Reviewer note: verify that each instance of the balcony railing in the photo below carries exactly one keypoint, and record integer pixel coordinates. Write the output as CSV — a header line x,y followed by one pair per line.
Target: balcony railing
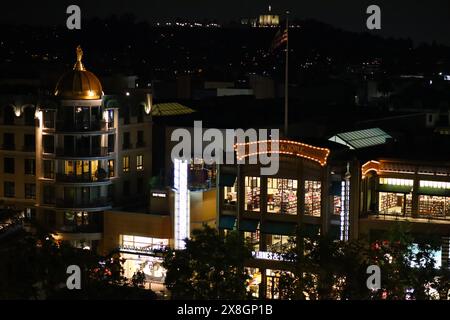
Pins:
x,y
397,215
84,152
87,228
29,148
82,126
7,146
82,178
80,203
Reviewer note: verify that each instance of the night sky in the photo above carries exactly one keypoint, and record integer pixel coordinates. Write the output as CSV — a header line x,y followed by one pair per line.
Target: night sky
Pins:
x,y
420,20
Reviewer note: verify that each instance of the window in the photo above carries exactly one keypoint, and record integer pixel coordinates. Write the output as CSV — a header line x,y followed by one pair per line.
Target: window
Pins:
x,y
140,116
111,168
126,141
29,142
30,191
28,114
49,119
30,166
278,243
273,284
111,139
136,242
397,182
126,164
8,116
281,196
49,195
140,162
395,203
8,141
252,239
126,188
8,165
49,172
252,193
9,189
140,185
140,139
230,197
79,218
312,198
434,206
48,143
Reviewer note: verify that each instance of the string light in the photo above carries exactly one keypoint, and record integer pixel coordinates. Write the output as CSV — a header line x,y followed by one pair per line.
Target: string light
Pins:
x,y
285,143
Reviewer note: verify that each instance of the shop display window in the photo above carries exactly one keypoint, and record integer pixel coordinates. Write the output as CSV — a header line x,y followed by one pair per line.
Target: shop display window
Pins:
x,y
337,204
273,284
230,197
254,281
434,206
144,243
282,196
395,203
202,176
313,198
252,194
253,239
277,243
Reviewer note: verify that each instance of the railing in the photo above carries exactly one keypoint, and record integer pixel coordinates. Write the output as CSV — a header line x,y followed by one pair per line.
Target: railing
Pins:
x,y
140,144
87,228
79,203
29,148
230,206
398,215
65,126
88,177
126,146
85,152
8,146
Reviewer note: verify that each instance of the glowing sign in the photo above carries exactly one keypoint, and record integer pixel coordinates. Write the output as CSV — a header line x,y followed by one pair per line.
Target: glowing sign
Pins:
x,y
182,214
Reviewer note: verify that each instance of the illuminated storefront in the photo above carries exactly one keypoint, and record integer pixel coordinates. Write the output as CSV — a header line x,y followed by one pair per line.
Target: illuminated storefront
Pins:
x,y
252,193
281,196
312,198
141,255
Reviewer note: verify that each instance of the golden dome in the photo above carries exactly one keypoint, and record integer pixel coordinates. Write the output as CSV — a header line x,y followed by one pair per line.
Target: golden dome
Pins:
x,y
79,84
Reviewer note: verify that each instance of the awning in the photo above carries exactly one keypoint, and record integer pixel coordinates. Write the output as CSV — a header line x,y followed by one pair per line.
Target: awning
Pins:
x,y
281,228
434,192
227,222
393,188
227,179
310,230
248,225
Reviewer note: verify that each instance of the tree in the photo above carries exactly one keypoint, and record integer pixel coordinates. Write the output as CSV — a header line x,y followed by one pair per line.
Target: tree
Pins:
x,y
210,267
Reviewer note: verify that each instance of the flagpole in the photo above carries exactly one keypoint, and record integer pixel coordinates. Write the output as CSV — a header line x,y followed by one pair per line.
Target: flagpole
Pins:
x,y
286,78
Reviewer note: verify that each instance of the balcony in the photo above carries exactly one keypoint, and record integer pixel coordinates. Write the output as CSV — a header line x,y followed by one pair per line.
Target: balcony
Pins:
x,y
81,203
140,144
83,126
99,176
83,152
383,215
8,146
29,148
86,228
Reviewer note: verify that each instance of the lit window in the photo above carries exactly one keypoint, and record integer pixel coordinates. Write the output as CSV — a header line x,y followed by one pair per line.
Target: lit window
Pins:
x,y
126,164
434,184
312,198
140,162
397,182
281,196
252,193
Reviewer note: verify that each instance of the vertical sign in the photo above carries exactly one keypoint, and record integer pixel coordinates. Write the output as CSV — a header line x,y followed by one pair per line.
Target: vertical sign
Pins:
x,y
182,214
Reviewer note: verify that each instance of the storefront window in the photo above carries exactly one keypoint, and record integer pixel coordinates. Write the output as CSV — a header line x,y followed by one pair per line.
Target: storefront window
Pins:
x,y
281,196
252,193
397,182
252,238
254,281
151,267
337,205
143,243
434,206
277,243
395,203
230,197
273,284
312,198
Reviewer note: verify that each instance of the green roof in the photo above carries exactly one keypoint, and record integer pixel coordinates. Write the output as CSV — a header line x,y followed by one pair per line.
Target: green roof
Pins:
x,y
170,109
